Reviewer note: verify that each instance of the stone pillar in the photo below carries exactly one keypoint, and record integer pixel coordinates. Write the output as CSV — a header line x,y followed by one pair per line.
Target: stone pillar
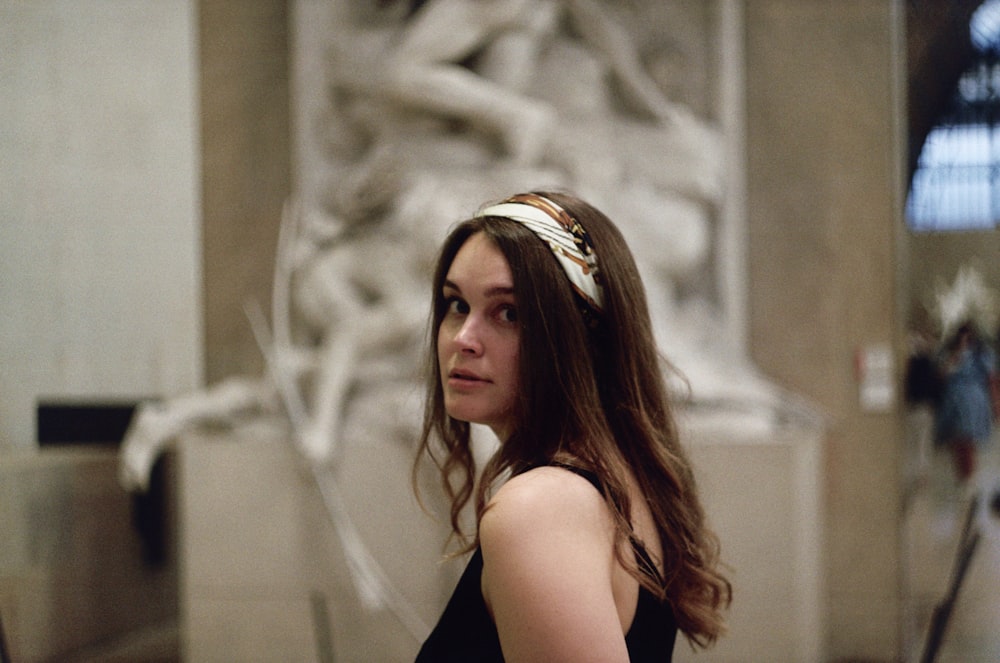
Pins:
x,y
246,170
823,164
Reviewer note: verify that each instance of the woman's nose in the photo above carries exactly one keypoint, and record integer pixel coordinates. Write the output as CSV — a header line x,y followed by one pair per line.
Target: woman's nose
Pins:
x,y
468,339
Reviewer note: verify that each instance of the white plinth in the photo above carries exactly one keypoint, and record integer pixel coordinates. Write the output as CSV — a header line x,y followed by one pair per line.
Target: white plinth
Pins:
x,y
259,551
257,546
761,484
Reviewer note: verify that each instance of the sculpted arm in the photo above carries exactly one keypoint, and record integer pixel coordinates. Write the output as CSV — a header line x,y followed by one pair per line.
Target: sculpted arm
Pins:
x,y
607,37
450,30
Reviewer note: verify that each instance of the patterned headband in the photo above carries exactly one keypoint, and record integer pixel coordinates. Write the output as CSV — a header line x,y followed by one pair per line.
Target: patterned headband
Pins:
x,y
566,238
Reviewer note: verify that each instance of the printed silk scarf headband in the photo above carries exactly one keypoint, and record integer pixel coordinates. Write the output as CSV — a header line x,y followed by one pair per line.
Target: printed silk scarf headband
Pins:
x,y
567,240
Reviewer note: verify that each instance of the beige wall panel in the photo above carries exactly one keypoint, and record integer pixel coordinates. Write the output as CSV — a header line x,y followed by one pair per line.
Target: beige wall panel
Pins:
x,y
99,207
246,169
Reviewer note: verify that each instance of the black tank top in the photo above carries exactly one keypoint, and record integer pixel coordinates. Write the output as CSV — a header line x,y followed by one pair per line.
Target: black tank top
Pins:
x,y
466,632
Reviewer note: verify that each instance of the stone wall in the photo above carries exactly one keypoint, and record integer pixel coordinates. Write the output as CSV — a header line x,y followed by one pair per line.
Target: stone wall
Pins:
x,y
99,220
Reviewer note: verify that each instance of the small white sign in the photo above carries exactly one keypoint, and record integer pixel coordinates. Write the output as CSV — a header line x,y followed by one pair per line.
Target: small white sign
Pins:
x,y
876,377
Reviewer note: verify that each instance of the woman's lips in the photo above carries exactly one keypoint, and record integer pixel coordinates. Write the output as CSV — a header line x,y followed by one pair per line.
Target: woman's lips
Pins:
x,y
465,378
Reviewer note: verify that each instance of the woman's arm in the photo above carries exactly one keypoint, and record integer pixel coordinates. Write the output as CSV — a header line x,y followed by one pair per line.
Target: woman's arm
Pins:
x,y
547,539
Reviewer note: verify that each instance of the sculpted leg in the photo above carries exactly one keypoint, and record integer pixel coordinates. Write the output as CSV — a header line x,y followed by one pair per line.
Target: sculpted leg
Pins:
x,y
156,426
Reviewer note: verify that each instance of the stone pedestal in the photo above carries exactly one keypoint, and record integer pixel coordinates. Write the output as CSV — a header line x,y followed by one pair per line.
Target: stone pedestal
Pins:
x,y
761,486
72,568
260,559
264,577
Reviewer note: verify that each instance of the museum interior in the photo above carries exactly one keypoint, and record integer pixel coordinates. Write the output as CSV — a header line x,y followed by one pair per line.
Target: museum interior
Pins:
x,y
217,229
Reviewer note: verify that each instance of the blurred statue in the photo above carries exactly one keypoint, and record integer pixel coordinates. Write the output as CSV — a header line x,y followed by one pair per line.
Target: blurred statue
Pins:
x,y
429,112
422,64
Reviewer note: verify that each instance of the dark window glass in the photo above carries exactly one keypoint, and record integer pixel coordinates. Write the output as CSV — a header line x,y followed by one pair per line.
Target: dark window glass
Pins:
x,y
955,186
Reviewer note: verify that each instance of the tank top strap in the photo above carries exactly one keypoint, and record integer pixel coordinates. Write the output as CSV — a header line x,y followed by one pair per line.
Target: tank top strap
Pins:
x,y
643,558
586,474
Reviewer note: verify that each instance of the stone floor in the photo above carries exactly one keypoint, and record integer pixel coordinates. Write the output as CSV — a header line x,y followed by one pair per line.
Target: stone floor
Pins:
x,y
935,517
155,644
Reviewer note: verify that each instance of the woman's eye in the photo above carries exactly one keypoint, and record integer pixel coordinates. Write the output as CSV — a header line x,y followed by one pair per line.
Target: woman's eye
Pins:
x,y
456,305
508,314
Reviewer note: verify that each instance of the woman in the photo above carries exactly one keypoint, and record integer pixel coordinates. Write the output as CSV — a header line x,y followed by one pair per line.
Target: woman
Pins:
x,y
594,548
970,399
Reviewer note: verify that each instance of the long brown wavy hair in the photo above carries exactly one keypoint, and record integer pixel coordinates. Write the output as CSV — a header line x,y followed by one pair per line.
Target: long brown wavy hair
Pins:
x,y
594,397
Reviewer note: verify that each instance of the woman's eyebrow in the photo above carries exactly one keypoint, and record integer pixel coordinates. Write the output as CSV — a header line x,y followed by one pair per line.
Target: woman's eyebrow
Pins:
x,y
499,290
493,291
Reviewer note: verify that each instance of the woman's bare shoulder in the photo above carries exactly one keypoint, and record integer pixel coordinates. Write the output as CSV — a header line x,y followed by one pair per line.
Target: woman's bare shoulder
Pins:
x,y
545,499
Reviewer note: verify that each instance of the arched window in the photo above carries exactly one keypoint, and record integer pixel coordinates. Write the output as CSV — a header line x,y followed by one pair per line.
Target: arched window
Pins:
x,y
956,185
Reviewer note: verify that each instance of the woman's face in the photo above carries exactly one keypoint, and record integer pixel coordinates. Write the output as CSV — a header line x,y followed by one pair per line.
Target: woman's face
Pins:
x,y
478,339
